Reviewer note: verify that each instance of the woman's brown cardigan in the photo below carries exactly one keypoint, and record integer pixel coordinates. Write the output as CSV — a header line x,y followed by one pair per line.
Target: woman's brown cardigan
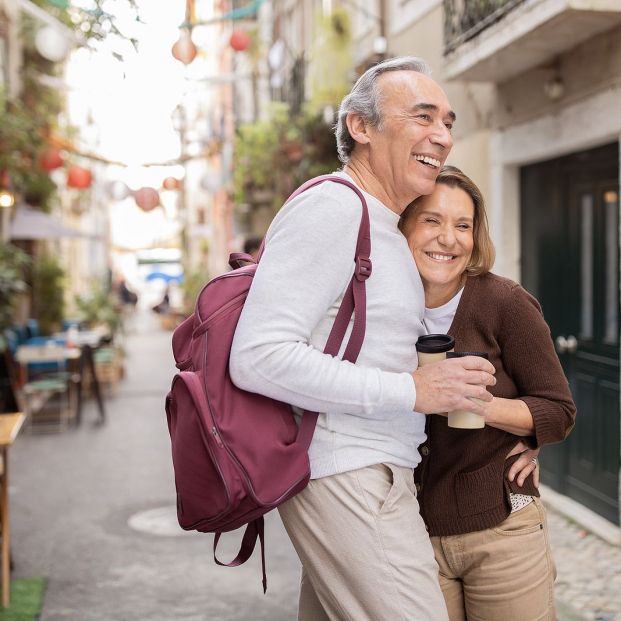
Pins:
x,y
462,477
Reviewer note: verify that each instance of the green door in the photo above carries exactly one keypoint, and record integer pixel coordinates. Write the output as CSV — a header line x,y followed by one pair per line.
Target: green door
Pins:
x,y
570,262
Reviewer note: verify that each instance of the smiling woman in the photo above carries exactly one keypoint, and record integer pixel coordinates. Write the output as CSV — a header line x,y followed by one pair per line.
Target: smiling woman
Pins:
x,y
467,485
448,236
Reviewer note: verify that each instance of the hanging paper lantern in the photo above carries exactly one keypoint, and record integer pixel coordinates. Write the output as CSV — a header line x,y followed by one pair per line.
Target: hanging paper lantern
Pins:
x,y
118,190
240,40
212,181
51,158
184,49
170,183
78,177
147,198
51,44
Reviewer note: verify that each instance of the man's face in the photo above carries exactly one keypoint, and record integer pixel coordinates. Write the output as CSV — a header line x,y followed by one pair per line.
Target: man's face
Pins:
x,y
414,139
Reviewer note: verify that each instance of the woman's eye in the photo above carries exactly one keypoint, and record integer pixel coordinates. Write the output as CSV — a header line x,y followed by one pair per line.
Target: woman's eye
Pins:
x,y
431,221
464,227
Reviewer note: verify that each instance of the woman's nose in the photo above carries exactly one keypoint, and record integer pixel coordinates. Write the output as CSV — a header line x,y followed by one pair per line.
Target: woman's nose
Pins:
x,y
446,236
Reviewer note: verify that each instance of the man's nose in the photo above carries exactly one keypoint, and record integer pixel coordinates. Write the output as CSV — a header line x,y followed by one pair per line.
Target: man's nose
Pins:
x,y
442,136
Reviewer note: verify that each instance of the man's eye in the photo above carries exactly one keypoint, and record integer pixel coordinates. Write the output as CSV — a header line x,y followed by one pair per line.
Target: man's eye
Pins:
x,y
424,117
449,126
431,221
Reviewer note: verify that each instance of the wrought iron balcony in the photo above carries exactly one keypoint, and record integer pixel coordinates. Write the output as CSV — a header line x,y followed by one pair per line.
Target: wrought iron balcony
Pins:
x,y
464,19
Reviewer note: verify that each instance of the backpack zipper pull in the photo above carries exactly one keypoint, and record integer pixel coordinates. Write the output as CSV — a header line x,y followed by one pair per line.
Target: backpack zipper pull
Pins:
x,y
214,431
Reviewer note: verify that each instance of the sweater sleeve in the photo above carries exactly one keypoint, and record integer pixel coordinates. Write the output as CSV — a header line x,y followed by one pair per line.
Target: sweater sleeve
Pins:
x,y
530,359
307,264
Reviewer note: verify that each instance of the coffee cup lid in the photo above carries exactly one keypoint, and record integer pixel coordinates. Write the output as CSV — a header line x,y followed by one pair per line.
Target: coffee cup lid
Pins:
x,y
434,343
463,354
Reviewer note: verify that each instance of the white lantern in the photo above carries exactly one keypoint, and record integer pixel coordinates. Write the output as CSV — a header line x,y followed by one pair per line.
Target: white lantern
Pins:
x,y
52,44
212,181
118,190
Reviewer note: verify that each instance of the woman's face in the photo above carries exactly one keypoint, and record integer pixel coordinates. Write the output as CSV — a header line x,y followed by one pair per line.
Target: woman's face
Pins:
x,y
440,236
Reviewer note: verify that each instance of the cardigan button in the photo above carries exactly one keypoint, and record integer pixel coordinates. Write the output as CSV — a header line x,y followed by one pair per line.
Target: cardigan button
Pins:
x,y
424,450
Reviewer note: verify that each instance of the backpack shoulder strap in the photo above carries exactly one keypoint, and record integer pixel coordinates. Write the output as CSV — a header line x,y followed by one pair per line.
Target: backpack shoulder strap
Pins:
x,y
354,300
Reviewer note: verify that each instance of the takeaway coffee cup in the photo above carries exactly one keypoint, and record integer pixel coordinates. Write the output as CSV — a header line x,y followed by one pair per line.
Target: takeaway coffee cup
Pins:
x,y
433,348
462,419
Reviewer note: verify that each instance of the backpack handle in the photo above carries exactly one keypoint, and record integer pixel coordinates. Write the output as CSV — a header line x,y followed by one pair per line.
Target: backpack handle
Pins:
x,y
237,259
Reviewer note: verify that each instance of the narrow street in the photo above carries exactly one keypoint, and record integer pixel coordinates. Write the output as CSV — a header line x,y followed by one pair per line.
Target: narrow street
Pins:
x,y
73,494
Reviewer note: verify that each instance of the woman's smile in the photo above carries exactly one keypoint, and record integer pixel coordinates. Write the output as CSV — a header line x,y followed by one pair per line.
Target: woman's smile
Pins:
x,y
440,236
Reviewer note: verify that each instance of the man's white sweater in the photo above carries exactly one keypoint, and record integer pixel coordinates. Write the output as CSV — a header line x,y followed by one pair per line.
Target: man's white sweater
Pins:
x,y
366,408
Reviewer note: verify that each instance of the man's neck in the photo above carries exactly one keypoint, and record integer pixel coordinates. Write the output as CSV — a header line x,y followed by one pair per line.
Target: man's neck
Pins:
x,y
361,173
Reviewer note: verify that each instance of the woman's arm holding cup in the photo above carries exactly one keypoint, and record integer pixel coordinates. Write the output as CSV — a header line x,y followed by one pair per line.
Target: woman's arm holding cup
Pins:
x,y
510,415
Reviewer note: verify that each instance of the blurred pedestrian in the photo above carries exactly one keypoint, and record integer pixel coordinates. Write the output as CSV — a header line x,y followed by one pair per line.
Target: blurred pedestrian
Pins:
x,y
163,306
252,245
356,527
488,526
126,296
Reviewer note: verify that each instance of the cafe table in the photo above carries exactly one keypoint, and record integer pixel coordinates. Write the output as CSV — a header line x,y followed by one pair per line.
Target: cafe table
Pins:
x,y
10,424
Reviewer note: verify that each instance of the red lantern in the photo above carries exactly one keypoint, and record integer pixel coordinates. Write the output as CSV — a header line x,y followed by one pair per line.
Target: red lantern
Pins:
x,y
147,198
170,183
240,40
51,159
78,177
184,49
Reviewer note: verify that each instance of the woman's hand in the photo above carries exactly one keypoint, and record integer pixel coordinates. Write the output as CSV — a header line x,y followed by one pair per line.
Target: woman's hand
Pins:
x,y
524,465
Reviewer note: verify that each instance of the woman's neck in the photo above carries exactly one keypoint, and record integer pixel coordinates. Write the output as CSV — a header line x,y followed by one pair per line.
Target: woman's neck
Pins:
x,y
438,295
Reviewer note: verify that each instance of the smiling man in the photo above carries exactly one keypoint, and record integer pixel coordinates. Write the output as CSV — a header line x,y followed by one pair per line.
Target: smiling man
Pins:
x,y
356,527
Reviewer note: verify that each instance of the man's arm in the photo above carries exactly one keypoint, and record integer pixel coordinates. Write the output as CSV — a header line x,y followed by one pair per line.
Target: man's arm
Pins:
x,y
306,266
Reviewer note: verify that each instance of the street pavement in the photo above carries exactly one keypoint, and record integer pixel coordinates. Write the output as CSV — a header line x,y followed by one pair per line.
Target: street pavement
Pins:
x,y
92,509
73,494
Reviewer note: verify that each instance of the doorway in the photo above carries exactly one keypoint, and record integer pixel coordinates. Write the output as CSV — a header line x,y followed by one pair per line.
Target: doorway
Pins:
x,y
570,262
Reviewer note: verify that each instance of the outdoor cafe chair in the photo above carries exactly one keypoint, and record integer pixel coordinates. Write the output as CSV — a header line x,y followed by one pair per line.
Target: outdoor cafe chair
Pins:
x,y
49,396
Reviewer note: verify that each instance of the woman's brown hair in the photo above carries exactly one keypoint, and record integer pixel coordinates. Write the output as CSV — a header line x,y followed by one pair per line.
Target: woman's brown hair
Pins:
x,y
483,252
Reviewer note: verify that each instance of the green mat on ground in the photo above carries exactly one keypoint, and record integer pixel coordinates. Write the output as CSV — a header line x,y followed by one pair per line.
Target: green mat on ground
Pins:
x,y
26,600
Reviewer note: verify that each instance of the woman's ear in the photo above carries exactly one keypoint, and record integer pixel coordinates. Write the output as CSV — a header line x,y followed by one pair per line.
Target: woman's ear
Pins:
x,y
357,127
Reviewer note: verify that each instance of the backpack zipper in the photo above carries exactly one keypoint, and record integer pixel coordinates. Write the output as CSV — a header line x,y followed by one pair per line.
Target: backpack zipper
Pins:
x,y
234,303
216,464
216,433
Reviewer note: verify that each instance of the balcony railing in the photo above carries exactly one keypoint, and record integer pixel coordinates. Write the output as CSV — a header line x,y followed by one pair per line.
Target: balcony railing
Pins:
x,y
465,19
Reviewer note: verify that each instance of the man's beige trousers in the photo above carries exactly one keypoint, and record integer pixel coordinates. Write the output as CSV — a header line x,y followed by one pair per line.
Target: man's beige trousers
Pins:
x,y
364,548
505,573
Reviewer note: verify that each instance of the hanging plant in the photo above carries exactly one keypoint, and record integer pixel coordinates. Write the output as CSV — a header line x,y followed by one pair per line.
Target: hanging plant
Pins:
x,y
272,157
332,60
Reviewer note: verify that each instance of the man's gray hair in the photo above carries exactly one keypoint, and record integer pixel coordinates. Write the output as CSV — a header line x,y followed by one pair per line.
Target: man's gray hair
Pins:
x,y
365,99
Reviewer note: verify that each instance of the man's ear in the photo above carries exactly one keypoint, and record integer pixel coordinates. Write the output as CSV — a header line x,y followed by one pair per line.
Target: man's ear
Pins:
x,y
357,127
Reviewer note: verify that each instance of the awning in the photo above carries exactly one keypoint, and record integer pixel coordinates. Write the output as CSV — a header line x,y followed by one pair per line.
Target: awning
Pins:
x,y
30,223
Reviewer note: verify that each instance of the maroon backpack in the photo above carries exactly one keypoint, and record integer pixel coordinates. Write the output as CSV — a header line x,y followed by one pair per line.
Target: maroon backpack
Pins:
x,y
236,454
